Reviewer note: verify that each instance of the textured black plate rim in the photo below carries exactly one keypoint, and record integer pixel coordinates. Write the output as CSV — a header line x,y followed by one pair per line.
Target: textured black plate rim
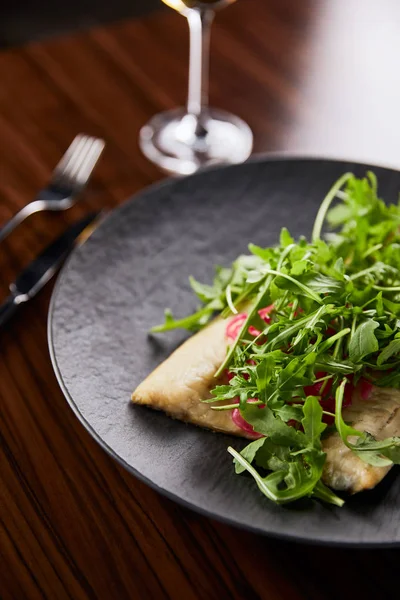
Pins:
x,y
265,157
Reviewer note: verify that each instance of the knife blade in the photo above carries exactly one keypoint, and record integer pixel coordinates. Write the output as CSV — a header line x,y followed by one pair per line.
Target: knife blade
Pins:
x,y
35,276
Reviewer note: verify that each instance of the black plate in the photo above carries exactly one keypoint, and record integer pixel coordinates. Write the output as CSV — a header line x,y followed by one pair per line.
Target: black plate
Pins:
x,y
116,286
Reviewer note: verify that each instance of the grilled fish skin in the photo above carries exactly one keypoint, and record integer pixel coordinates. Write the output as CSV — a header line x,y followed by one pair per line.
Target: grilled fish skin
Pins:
x,y
178,385
379,415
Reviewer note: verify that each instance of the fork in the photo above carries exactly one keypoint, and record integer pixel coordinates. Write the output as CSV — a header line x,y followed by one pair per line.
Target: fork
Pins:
x,y
69,178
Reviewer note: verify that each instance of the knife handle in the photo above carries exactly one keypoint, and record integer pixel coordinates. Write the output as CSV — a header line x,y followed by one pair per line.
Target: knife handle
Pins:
x,y
7,309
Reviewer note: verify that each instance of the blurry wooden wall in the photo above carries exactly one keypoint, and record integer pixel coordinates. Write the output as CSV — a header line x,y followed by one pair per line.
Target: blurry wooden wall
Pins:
x,y
22,21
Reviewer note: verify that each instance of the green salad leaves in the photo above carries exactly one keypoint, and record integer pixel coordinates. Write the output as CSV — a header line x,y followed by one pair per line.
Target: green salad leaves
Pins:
x,y
334,321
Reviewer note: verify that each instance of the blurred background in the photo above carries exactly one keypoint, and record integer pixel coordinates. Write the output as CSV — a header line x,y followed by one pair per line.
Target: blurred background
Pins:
x,y
335,59
314,76
25,20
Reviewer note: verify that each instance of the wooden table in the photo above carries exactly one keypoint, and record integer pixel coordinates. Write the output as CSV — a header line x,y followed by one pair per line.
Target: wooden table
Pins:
x,y
318,76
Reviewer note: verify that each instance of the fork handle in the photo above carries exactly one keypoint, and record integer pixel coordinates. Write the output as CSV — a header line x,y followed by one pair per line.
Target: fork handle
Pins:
x,y
29,209
50,198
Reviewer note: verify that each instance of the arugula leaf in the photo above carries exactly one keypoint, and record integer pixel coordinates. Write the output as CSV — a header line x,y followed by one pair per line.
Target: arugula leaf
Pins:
x,y
300,480
323,284
191,322
294,374
203,291
312,422
363,342
299,267
343,429
225,392
285,238
339,214
393,307
249,453
392,348
286,282
324,493
290,329
289,412
373,458
264,422
272,457
369,446
264,374
265,454
332,365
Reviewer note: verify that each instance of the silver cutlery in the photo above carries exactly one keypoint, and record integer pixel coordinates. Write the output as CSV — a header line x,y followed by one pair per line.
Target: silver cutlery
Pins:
x,y
68,180
33,277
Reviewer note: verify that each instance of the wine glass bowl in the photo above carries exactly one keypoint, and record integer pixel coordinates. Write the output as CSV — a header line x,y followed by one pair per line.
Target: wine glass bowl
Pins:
x,y
183,140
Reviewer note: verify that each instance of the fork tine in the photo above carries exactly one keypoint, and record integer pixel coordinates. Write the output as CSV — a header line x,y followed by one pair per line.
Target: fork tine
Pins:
x,y
90,161
75,167
74,148
76,160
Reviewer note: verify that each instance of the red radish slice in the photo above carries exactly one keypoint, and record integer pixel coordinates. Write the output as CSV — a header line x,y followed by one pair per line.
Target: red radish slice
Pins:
x,y
365,388
244,425
235,325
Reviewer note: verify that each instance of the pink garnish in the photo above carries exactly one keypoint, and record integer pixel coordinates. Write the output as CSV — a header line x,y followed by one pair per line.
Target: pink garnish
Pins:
x,y
264,313
254,331
365,389
244,425
235,325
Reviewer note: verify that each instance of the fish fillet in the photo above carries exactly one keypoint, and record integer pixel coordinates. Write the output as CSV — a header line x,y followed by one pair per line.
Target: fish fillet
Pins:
x,y
186,377
379,416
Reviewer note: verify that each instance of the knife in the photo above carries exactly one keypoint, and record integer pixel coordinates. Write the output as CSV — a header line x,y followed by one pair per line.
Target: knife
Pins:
x,y
34,277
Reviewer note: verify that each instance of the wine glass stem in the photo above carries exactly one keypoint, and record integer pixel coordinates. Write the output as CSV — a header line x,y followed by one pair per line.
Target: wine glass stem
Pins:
x,y
199,21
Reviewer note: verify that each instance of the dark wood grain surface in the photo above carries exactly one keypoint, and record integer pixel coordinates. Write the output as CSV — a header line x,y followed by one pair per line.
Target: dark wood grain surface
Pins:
x,y
315,76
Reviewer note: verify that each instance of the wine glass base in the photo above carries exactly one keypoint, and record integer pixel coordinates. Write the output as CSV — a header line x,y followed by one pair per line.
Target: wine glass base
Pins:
x,y
175,142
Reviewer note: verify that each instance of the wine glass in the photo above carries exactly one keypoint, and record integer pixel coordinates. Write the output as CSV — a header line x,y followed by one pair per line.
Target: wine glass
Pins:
x,y
185,139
